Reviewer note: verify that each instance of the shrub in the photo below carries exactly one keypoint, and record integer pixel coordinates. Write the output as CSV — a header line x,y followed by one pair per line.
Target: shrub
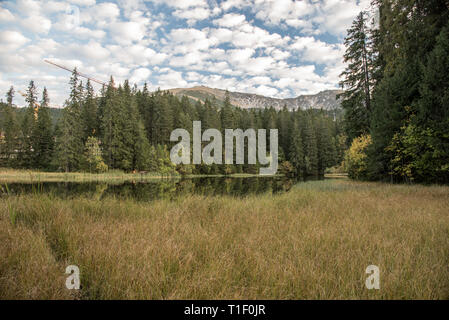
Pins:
x,y
356,157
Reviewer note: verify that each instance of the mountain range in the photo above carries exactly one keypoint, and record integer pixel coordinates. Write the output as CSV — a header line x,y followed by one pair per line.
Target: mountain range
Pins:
x,y
325,100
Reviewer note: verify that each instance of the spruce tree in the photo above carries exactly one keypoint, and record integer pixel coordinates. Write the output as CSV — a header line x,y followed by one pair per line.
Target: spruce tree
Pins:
x,y
11,129
69,143
110,126
357,78
396,96
310,148
43,135
325,145
296,155
28,127
89,113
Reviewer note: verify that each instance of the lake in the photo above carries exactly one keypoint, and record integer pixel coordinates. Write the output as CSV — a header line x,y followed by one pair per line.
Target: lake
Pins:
x,y
155,189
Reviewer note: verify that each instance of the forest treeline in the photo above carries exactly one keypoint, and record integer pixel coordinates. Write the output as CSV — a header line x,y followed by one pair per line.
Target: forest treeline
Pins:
x,y
127,128
396,98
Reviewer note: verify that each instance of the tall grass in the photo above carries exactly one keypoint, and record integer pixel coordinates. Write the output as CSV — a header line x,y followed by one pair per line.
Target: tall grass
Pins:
x,y
29,176
314,242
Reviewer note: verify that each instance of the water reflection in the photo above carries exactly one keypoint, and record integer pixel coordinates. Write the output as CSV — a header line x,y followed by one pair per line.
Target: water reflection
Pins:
x,y
158,188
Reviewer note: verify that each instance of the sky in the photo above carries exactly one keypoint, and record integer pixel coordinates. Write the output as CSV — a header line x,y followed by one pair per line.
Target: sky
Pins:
x,y
276,48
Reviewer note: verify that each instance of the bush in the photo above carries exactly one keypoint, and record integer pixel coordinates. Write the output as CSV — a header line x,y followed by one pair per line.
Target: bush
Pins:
x,y
356,157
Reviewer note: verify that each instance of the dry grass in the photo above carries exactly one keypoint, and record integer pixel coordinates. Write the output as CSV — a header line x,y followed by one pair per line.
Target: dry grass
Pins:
x,y
311,243
13,175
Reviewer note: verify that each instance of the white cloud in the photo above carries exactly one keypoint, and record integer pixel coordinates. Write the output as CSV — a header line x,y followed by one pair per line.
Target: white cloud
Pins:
x,y
140,75
182,4
11,40
83,2
230,20
193,15
127,32
342,13
189,40
221,35
6,15
228,4
102,14
136,55
91,52
28,7
264,90
240,56
171,79
37,24
56,6
312,17
318,51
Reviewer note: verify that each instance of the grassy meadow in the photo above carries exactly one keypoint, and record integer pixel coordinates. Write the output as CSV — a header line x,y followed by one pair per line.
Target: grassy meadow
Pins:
x,y
27,176
313,242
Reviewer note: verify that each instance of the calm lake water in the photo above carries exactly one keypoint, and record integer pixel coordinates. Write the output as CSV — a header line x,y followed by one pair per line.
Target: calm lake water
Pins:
x,y
157,188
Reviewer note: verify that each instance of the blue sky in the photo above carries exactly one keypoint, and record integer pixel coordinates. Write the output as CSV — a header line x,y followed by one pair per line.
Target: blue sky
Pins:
x,y
278,48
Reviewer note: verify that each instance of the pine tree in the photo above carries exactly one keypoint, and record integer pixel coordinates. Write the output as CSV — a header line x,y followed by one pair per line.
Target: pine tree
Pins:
x,y
310,148
357,78
43,135
28,127
70,147
89,113
284,125
140,151
296,156
325,145
227,118
10,96
110,126
432,117
397,94
10,144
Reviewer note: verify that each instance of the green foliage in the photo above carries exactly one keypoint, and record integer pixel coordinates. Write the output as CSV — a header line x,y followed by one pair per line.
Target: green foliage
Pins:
x,y
10,132
356,157
409,117
69,142
287,169
311,149
358,77
297,150
43,135
416,155
93,156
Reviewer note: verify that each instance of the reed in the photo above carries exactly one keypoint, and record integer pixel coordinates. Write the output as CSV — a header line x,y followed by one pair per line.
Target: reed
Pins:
x,y
313,242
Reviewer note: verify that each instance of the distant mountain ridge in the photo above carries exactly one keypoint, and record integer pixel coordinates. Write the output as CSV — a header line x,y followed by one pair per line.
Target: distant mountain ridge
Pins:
x,y
325,100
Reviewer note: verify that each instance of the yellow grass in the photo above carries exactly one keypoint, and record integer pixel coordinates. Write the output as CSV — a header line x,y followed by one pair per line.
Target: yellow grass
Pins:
x,y
12,175
314,242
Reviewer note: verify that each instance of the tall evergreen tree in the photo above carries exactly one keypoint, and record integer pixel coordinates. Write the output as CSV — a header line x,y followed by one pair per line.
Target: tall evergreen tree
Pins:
x,y
310,148
70,147
227,117
325,145
43,135
296,155
358,78
28,127
10,96
89,113
396,96
11,133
